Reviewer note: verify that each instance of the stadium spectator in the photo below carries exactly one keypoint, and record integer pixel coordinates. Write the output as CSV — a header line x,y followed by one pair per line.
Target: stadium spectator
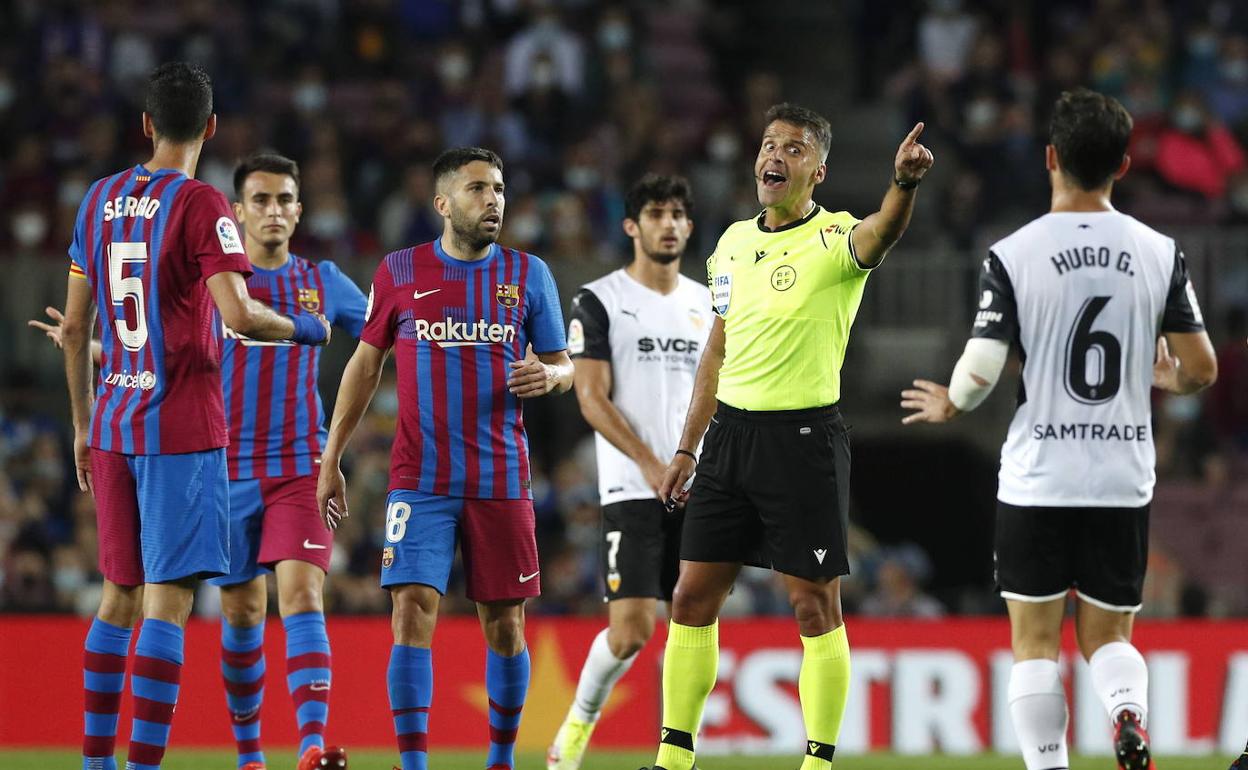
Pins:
x,y
899,579
1196,152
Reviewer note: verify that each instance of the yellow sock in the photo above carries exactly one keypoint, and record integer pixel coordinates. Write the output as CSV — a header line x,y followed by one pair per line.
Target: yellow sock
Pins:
x,y
690,663
823,686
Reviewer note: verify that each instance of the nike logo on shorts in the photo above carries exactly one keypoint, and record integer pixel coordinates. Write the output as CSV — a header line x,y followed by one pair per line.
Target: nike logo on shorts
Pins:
x,y
526,578
418,293
313,546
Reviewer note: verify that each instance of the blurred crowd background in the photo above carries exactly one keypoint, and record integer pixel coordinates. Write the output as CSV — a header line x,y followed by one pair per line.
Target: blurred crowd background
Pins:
x,y
580,97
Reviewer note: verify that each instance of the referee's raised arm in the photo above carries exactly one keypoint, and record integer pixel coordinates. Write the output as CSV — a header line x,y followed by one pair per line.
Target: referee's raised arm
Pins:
x,y
878,232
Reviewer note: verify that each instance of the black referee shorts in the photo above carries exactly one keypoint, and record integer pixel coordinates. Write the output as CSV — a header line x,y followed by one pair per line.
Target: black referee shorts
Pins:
x,y
772,490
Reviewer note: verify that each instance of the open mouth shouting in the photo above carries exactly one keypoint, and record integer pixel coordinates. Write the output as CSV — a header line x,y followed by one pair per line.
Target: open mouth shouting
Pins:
x,y
774,180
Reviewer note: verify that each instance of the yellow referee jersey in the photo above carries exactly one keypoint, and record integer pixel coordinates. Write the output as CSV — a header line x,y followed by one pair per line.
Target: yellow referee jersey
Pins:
x,y
788,298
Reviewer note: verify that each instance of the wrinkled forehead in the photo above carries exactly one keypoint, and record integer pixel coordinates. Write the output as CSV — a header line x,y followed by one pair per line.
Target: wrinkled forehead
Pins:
x,y
473,172
784,132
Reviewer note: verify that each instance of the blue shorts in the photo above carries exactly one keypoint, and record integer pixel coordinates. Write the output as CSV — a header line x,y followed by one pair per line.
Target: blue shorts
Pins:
x,y
496,539
161,517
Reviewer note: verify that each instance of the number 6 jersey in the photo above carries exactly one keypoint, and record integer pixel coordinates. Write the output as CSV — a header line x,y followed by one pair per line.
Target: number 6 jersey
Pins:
x,y
1084,296
147,241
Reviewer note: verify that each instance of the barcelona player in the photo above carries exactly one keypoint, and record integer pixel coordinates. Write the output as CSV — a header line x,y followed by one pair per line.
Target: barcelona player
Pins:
x,y
154,250
462,314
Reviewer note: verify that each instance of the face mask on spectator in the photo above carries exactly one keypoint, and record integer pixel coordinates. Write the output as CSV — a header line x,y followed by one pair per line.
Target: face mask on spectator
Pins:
x,y
581,178
387,402
29,228
455,68
1235,70
543,75
69,579
1188,119
309,97
525,228
327,224
614,35
723,147
1202,45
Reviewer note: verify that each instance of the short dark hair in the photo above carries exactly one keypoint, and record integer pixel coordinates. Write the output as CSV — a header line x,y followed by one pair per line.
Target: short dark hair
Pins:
x,y
453,160
269,162
806,118
1090,132
179,100
656,188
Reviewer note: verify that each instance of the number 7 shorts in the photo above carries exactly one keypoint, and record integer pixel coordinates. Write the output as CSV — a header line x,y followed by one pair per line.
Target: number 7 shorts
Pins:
x,y
496,538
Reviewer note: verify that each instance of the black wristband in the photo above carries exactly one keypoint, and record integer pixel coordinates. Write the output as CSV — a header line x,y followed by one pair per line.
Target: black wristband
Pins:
x,y
687,452
903,185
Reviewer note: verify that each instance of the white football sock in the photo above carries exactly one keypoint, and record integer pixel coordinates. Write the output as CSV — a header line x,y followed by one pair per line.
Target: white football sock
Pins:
x,y
1038,710
600,673
1120,678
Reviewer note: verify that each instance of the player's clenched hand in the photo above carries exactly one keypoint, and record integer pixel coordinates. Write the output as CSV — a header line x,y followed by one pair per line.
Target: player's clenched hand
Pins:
x,y
331,494
930,403
672,491
53,330
324,322
1165,368
913,159
82,461
654,471
531,378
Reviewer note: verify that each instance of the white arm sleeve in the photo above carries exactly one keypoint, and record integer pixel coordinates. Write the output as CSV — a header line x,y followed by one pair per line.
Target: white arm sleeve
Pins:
x,y
977,372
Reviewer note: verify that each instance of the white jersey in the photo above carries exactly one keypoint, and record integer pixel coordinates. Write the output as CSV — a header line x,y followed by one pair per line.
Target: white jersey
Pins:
x,y
653,342
1084,296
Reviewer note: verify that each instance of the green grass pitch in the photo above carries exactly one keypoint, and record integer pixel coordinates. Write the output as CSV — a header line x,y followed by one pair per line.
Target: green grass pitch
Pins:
x,y
187,759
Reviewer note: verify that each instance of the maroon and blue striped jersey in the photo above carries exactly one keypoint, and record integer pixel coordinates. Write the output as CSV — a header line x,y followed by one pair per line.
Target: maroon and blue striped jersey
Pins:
x,y
147,241
277,422
455,327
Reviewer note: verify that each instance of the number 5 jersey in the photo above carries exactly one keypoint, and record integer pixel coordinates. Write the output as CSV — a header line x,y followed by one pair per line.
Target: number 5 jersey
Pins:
x,y
147,241
1083,296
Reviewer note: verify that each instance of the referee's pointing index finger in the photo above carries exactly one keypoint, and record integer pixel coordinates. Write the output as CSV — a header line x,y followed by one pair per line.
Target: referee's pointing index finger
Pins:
x,y
913,136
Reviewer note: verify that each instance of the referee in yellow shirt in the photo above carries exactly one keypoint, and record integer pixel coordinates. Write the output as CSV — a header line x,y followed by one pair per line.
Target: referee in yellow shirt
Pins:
x,y
772,484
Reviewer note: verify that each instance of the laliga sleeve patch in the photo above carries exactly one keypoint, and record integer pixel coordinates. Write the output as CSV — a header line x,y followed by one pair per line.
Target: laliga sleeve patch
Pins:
x,y
576,337
368,311
227,233
1191,298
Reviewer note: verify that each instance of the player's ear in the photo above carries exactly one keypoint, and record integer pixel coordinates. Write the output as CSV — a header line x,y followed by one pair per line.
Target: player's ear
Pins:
x,y
238,213
149,129
1122,167
630,228
1050,158
821,173
210,128
298,211
442,205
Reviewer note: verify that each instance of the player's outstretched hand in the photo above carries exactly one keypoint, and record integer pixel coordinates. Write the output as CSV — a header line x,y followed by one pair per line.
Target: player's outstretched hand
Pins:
x,y
52,330
654,471
82,461
672,491
331,494
913,159
929,401
531,378
1165,368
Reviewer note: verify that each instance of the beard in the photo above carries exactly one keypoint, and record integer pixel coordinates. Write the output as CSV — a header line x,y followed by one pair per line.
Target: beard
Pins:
x,y
470,232
663,257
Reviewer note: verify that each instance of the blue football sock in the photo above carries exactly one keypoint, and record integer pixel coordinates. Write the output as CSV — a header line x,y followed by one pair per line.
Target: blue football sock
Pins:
x,y
507,683
410,681
242,667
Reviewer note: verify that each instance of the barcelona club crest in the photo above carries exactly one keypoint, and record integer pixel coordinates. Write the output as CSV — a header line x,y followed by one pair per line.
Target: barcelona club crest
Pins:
x,y
387,557
310,300
507,294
